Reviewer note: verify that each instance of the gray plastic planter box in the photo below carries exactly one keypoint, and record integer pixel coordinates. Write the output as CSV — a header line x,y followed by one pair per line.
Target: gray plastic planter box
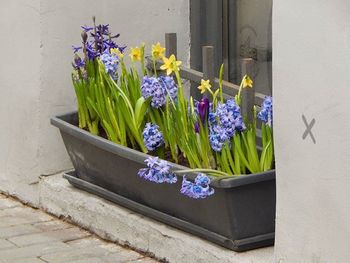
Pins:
x,y
239,216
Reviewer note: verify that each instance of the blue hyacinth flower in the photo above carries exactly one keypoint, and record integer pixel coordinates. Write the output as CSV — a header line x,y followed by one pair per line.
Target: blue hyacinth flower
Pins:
x,y
111,62
158,89
158,171
265,114
152,137
198,189
223,123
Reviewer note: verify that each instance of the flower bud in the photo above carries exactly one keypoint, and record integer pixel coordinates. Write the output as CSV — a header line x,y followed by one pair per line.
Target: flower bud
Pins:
x,y
84,36
203,109
196,127
77,59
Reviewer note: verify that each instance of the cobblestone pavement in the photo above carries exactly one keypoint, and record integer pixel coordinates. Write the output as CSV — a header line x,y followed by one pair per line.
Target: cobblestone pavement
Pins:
x,y
32,236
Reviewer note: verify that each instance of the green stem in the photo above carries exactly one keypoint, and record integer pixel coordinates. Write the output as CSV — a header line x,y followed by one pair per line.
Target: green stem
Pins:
x,y
238,98
154,66
208,171
144,70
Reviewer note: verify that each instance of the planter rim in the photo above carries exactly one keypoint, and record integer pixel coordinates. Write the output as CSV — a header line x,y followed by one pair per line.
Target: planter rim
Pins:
x,y
131,154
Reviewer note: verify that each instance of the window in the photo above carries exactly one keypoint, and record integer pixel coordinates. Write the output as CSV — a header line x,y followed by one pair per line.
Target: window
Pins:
x,y
237,29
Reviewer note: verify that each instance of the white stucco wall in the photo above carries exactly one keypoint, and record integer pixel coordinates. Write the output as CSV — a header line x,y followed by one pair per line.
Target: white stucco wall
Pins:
x,y
311,65
35,73
19,100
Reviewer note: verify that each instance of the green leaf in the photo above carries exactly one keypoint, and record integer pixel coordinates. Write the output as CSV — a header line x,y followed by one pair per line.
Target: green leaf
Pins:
x,y
230,160
110,133
140,110
263,158
238,147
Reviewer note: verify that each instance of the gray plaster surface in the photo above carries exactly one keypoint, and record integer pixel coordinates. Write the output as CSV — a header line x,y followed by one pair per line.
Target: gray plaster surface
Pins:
x,y
32,236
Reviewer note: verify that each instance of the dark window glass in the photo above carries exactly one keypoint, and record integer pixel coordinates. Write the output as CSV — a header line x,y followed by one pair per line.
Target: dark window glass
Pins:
x,y
237,29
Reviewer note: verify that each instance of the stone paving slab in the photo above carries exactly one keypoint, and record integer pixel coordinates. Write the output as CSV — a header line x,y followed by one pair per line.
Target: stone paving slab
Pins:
x,y
24,260
123,256
89,260
93,241
52,225
26,229
50,236
21,215
31,236
75,254
18,230
28,260
5,244
38,250
7,203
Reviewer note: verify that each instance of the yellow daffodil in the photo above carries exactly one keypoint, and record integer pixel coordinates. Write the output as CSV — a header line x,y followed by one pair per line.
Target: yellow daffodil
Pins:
x,y
117,52
135,54
170,64
205,85
157,51
247,82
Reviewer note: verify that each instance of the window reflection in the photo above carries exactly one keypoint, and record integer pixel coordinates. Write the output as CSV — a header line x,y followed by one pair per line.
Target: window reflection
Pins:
x,y
250,35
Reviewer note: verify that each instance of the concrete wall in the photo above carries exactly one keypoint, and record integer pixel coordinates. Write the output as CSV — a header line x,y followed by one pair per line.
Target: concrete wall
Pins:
x,y
35,73
311,65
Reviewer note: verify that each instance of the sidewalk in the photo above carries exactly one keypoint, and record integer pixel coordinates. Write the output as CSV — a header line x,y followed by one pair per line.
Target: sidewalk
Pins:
x,y
32,236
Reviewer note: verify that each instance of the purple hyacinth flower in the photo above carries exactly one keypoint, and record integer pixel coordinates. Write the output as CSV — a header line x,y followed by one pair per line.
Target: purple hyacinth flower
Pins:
x,y
78,62
147,86
108,44
265,114
111,62
76,49
217,137
202,180
115,36
163,167
212,118
122,48
152,137
158,171
90,50
102,30
203,109
199,189
169,86
226,119
87,28
152,161
196,127
102,41
239,124
158,89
